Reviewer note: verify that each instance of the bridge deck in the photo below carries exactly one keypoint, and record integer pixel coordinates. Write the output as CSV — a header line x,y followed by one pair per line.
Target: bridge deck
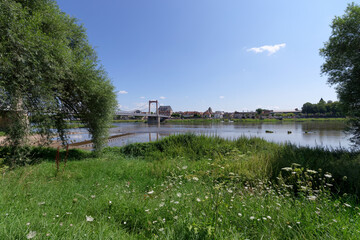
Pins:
x,y
140,114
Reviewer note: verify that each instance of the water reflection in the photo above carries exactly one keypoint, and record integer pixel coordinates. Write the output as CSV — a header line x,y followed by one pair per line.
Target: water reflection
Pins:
x,y
329,134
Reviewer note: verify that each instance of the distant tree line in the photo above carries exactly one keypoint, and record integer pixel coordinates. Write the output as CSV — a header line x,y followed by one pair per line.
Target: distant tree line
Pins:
x,y
322,108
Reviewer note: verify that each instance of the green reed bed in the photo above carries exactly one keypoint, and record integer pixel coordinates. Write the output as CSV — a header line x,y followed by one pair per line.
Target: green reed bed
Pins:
x,y
184,187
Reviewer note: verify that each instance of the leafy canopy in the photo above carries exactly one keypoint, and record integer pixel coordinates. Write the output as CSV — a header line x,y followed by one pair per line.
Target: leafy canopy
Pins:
x,y
49,72
342,64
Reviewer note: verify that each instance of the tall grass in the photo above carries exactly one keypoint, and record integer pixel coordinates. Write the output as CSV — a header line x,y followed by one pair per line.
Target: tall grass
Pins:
x,y
184,187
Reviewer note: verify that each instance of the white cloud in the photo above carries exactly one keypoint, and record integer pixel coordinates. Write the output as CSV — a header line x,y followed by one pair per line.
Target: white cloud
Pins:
x,y
141,106
221,97
122,92
162,97
122,107
271,49
142,97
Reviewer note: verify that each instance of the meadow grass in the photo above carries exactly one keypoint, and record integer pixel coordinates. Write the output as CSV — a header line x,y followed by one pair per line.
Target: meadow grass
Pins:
x,y
185,187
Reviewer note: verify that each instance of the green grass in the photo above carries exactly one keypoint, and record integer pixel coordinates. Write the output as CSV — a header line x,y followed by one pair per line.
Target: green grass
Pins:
x,y
2,133
184,187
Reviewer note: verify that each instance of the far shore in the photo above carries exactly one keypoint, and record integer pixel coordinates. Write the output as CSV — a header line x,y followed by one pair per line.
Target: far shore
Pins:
x,y
185,120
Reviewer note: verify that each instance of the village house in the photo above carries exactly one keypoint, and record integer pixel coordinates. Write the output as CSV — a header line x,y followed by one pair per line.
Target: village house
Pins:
x,y
191,114
165,110
229,115
219,114
241,115
208,113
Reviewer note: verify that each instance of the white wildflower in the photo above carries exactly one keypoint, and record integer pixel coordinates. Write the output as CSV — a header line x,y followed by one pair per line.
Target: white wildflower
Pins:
x,y
252,218
312,198
178,194
151,192
288,169
198,199
268,217
328,175
195,179
184,167
31,235
239,214
347,205
89,218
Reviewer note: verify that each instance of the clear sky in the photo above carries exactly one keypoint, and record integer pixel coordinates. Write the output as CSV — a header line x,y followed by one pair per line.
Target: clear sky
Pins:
x,y
225,54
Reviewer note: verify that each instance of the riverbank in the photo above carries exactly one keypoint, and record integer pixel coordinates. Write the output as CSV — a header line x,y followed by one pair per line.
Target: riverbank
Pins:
x,y
185,187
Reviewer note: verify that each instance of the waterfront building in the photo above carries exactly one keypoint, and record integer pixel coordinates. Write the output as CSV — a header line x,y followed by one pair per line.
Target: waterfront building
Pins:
x,y
219,114
165,110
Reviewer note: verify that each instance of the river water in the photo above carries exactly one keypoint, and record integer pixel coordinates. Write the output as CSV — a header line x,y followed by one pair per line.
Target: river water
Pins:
x,y
328,134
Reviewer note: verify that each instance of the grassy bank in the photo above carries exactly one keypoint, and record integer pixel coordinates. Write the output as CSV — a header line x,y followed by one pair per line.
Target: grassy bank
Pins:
x,y
185,187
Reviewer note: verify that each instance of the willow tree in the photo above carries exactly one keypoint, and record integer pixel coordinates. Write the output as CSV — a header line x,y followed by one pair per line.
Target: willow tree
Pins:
x,y
49,73
342,64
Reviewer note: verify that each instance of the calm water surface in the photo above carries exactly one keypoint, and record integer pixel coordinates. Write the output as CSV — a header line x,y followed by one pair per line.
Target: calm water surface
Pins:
x,y
328,134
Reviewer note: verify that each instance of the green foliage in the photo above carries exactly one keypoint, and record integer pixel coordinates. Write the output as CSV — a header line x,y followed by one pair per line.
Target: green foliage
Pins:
x,y
329,109
342,63
259,111
175,115
48,71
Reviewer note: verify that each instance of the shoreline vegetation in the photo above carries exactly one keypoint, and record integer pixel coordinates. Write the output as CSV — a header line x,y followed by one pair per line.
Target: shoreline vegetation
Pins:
x,y
184,187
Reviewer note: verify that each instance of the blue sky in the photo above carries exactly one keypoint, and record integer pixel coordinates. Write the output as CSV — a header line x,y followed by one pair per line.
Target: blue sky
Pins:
x,y
194,54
